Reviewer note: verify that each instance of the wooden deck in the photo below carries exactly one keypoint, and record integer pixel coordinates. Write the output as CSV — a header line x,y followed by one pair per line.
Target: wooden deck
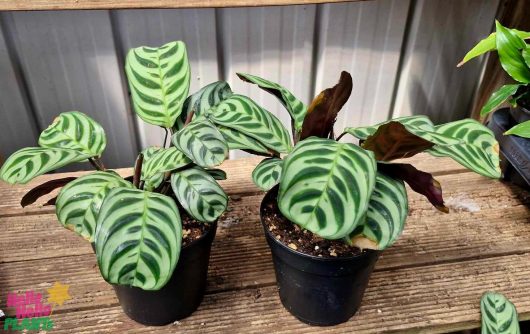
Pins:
x,y
430,281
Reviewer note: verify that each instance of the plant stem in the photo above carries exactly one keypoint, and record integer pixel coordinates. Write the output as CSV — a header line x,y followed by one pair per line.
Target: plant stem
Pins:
x,y
138,170
94,164
188,118
165,137
342,134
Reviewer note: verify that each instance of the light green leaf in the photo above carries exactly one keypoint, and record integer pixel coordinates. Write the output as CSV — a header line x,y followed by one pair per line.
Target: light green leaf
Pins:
x,y
509,47
267,173
386,215
238,141
198,103
295,107
498,97
78,203
202,142
159,79
521,130
27,163
199,194
489,44
76,131
326,185
499,315
526,55
419,122
138,238
217,174
244,115
157,161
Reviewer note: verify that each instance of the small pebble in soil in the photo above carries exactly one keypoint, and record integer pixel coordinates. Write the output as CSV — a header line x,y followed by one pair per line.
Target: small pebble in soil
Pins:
x,y
293,246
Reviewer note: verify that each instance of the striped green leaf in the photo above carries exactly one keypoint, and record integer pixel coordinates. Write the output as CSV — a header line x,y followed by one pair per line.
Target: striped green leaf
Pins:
x,y
239,141
157,161
199,194
78,202
325,186
417,122
267,173
202,142
499,315
295,107
244,115
478,150
27,163
138,238
217,174
386,215
75,130
159,80
509,46
198,103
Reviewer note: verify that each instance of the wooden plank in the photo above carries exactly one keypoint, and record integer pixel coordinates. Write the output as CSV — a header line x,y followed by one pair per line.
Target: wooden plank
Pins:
x,y
122,4
437,299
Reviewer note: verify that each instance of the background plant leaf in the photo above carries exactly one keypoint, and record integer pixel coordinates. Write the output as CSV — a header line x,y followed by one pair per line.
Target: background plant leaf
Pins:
x,y
325,186
138,238
159,80
267,173
498,314
509,47
521,130
158,161
498,97
322,112
42,189
417,121
237,140
76,131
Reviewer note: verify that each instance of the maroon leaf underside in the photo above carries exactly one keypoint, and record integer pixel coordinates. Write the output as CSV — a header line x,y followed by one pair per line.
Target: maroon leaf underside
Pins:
x,y
419,181
43,189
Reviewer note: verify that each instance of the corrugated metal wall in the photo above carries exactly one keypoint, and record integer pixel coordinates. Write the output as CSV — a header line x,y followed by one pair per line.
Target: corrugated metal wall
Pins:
x,y
401,54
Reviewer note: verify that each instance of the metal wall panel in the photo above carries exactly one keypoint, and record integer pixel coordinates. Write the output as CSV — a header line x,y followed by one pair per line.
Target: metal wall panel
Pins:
x,y
365,39
441,33
69,62
196,27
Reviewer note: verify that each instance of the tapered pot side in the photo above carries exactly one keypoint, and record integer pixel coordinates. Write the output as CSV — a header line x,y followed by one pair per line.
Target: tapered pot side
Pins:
x,y
183,293
318,291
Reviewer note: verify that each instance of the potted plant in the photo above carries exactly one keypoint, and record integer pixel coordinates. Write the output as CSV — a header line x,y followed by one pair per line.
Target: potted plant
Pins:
x,y
152,231
332,207
514,56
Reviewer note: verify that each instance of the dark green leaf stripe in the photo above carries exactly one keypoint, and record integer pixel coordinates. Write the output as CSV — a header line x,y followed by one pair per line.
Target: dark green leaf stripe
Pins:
x,y
138,238
478,151
78,202
267,173
499,315
157,161
244,115
295,107
198,103
202,142
239,141
27,163
325,186
217,174
418,122
75,130
199,194
386,215
159,80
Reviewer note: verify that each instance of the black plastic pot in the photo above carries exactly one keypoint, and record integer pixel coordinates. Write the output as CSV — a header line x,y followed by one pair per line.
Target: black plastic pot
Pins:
x,y
514,150
180,297
318,291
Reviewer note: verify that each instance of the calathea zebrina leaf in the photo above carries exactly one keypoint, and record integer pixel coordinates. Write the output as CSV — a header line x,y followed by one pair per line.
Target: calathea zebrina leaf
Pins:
x,y
157,161
322,112
421,182
217,174
159,80
239,141
267,173
499,315
202,142
419,122
386,215
75,130
138,238
240,113
27,163
42,189
295,107
199,194
326,185
78,203
207,97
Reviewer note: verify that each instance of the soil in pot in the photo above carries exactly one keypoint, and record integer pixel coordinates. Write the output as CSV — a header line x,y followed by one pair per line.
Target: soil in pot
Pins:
x,y
184,292
321,282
